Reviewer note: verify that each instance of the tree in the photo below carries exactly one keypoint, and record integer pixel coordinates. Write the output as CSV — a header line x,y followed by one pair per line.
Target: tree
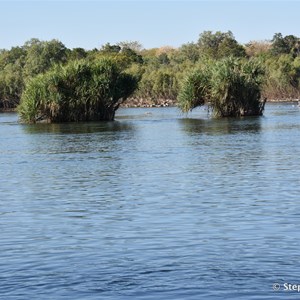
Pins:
x,y
132,55
11,76
282,77
108,48
41,56
258,48
158,84
220,44
189,51
289,44
133,45
12,56
76,53
11,86
123,55
163,59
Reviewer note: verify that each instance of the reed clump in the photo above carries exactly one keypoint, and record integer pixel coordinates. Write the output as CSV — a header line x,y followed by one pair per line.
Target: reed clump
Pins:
x,y
231,86
78,91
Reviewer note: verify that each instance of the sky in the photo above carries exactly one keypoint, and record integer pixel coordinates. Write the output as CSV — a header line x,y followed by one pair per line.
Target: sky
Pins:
x,y
91,24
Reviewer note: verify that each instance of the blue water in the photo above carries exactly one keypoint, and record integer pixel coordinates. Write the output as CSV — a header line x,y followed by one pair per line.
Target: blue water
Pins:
x,y
156,205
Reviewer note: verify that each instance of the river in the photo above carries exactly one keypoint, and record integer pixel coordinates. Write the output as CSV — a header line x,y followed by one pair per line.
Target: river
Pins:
x,y
156,205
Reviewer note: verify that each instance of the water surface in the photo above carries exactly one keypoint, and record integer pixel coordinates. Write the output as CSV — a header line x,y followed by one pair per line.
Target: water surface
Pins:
x,y
156,205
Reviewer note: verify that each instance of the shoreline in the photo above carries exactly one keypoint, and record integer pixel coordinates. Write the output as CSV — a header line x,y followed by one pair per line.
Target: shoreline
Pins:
x,y
141,103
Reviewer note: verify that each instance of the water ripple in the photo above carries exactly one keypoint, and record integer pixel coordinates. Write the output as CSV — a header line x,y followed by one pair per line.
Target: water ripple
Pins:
x,y
153,206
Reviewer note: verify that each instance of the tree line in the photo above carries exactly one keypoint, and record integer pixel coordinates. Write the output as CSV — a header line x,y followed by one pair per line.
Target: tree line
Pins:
x,y
160,73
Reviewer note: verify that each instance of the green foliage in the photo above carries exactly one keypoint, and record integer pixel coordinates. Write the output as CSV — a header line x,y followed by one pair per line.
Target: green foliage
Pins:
x,y
283,76
76,54
108,48
16,55
236,88
158,84
289,44
41,56
133,45
189,51
159,69
79,91
11,76
195,89
231,86
163,59
220,44
132,56
122,55
22,63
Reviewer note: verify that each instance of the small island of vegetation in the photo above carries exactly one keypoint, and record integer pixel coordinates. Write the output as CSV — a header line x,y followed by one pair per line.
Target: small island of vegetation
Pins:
x,y
79,91
49,82
232,87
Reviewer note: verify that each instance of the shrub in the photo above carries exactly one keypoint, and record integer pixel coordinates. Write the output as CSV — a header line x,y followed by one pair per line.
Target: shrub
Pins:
x,y
79,91
231,86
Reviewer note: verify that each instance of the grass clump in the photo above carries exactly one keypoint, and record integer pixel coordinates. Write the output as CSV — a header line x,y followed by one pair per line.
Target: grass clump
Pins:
x,y
231,86
79,91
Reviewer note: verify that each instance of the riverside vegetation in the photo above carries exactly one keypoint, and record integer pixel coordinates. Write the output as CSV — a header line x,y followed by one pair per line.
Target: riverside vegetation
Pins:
x,y
48,81
230,86
79,91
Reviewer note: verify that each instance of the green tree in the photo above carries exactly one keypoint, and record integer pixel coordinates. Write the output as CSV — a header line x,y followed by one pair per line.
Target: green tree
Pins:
x,y
11,76
158,84
76,53
42,55
163,58
132,55
12,56
220,44
289,44
124,56
133,45
189,51
108,48
282,77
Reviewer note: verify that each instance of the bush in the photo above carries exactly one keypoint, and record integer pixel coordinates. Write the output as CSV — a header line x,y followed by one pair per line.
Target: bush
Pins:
x,y
231,86
79,91
283,77
195,90
158,84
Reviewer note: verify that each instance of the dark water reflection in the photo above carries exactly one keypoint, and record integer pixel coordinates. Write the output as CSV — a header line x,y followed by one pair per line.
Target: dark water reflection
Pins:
x,y
221,126
153,206
78,128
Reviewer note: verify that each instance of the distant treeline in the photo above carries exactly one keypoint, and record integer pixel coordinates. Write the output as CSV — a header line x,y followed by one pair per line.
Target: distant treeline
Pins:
x,y
160,70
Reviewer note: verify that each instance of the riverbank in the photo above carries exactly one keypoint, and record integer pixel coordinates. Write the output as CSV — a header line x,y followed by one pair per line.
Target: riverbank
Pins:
x,y
137,102
8,110
284,100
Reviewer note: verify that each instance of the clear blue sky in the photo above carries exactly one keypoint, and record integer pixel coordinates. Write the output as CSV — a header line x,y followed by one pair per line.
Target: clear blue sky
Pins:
x,y
90,24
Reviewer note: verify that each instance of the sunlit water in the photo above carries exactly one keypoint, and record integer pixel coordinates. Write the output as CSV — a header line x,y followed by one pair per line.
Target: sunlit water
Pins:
x,y
156,205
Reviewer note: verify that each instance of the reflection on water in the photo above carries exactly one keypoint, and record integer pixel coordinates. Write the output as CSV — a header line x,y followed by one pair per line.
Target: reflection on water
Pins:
x,y
156,205
75,138
78,128
222,126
